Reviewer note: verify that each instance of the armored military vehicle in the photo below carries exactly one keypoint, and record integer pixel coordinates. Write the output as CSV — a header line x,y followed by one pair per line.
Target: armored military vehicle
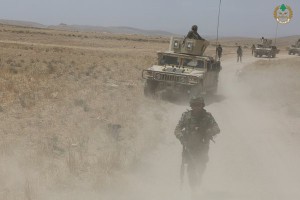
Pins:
x,y
294,49
265,48
182,71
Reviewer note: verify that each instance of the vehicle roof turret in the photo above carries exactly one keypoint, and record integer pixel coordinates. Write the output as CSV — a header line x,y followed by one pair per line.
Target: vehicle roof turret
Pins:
x,y
188,46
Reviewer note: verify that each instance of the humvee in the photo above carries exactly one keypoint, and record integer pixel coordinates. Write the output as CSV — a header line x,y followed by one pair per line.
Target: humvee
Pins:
x,y
265,49
294,49
182,71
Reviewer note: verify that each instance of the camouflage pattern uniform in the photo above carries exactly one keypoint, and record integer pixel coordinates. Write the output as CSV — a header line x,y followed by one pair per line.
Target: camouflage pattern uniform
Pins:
x,y
193,34
219,51
239,52
252,49
298,43
195,130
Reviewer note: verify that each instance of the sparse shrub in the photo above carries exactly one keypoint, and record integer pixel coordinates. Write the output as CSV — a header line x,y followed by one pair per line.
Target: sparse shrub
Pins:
x,y
86,108
9,61
27,99
13,70
18,65
79,102
51,68
57,49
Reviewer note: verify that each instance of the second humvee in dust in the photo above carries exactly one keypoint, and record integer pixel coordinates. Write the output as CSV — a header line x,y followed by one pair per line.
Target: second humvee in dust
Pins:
x,y
182,71
265,49
294,49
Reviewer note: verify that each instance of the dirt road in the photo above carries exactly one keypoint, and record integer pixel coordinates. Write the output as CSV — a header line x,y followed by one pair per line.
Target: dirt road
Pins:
x,y
255,156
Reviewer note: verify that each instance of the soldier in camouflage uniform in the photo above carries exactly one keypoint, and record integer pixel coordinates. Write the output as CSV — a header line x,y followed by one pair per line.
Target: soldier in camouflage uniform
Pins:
x,y
219,51
195,130
239,53
193,34
298,43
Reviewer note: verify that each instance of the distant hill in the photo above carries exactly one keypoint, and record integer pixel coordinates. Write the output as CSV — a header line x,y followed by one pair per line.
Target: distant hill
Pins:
x,y
130,30
111,29
62,26
22,23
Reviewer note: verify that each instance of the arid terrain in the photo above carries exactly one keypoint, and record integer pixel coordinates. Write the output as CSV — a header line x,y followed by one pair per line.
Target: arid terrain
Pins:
x,y
74,122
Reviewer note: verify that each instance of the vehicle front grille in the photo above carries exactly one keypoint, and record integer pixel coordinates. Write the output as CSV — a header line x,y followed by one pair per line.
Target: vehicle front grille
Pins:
x,y
170,77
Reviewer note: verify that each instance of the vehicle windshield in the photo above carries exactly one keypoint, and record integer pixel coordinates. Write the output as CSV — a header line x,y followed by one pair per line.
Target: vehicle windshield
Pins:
x,y
169,60
193,63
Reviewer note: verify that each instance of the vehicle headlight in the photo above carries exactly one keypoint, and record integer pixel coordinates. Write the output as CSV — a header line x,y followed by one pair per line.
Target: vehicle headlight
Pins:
x,y
157,76
183,79
147,74
193,79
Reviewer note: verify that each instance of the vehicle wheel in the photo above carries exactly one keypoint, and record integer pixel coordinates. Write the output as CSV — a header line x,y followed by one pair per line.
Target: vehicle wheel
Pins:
x,y
289,53
274,55
260,55
150,87
255,54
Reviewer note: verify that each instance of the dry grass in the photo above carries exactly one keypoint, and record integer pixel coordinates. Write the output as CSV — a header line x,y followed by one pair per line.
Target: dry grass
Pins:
x,y
58,92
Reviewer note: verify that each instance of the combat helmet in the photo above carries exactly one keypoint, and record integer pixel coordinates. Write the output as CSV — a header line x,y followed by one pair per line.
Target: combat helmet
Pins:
x,y
197,100
194,27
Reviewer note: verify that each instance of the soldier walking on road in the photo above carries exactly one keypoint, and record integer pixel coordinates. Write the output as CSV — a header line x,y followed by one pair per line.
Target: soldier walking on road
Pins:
x,y
195,130
219,51
252,49
239,52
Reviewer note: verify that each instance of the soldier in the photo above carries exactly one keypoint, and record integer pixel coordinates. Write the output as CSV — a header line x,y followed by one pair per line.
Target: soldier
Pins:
x,y
195,130
252,49
219,51
298,43
193,34
239,52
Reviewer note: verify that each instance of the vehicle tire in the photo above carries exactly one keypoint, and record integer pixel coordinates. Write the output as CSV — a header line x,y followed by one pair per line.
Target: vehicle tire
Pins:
x,y
289,53
255,54
274,55
150,87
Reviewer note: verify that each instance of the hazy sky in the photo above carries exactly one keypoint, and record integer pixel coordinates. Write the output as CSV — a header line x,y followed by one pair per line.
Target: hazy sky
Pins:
x,y
238,17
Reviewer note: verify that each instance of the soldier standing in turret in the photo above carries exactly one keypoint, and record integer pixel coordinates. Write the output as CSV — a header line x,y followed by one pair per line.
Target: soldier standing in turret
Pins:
x,y
193,34
195,130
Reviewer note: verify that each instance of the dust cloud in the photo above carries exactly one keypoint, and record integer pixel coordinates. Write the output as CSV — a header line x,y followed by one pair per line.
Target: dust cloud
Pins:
x,y
255,155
